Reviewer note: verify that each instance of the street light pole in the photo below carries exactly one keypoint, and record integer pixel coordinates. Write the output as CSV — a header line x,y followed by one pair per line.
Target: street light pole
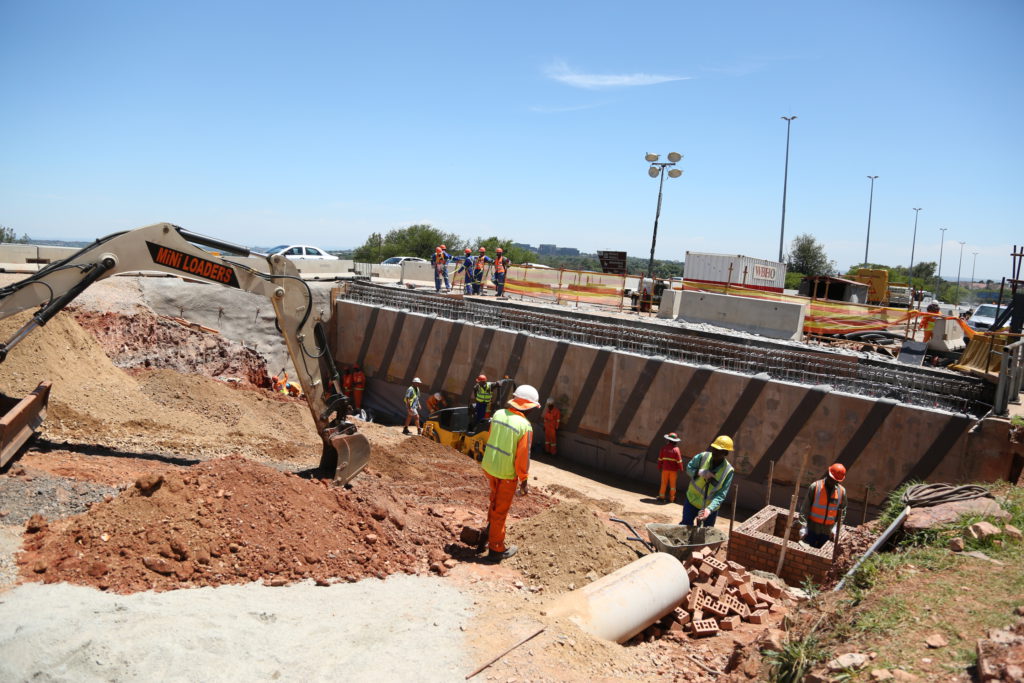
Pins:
x,y
785,182
910,274
657,170
973,264
959,265
938,279
871,201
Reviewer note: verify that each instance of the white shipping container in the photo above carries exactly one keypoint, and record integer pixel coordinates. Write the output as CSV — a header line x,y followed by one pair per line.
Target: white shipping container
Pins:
x,y
750,272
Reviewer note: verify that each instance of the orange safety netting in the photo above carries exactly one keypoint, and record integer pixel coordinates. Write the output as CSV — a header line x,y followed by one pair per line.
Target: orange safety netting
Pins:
x,y
565,285
825,316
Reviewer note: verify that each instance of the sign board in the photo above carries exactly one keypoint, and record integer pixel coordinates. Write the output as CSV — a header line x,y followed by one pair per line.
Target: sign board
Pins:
x,y
613,262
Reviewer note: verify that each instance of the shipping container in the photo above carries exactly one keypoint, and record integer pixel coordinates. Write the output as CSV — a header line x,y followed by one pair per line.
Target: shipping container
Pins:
x,y
722,269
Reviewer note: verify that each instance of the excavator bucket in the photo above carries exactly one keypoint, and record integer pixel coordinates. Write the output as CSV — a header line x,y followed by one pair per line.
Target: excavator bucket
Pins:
x,y
346,455
19,418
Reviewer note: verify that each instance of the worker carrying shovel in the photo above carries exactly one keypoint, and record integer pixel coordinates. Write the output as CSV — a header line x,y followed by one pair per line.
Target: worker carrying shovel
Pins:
x,y
710,479
824,503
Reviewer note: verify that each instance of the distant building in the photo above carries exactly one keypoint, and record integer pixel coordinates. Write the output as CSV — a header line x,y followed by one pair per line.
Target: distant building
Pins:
x,y
528,247
567,251
547,249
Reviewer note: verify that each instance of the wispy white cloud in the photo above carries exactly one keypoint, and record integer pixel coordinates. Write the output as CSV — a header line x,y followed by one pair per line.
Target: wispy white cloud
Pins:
x,y
541,109
563,73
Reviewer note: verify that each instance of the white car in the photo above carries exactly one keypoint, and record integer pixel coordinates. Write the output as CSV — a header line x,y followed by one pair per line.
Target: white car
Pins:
x,y
984,317
302,252
399,260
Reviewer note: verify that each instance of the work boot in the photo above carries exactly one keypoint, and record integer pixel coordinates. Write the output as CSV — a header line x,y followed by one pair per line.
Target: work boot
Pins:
x,y
406,431
498,557
419,432
482,543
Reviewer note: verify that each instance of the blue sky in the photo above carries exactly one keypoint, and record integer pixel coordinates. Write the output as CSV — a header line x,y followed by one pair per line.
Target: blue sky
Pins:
x,y
320,122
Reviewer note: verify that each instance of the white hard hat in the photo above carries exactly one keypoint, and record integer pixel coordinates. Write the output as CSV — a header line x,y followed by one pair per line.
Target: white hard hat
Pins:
x,y
417,380
526,397
437,395
550,401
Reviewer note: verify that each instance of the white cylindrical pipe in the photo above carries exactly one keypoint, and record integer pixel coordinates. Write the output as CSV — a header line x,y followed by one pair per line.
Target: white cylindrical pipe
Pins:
x,y
618,606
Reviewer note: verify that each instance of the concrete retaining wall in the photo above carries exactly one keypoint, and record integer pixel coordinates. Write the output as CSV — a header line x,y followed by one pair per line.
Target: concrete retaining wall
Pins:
x,y
776,319
615,407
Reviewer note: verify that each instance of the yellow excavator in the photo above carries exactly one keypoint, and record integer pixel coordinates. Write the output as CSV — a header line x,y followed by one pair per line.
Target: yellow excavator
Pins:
x,y
170,249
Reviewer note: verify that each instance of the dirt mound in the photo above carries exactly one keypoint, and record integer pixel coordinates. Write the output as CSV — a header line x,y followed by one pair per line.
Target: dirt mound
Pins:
x,y
232,521
567,547
94,402
144,340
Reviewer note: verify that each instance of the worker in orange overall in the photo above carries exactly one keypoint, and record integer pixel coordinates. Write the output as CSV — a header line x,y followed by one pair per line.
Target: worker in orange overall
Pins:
x,y
358,387
346,380
501,265
670,462
506,464
552,421
435,402
823,505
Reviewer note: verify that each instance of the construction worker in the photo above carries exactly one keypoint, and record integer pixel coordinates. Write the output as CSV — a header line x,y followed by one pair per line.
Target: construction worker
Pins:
x,y
412,406
435,402
481,260
506,463
710,479
346,380
670,461
439,259
501,265
823,505
465,267
482,392
552,421
932,316
358,387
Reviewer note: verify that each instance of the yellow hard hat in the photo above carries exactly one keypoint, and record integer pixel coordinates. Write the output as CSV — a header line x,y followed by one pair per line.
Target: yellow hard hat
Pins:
x,y
723,442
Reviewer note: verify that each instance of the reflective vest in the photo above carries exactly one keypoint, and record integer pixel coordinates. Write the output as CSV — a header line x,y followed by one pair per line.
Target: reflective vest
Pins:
x,y
500,264
412,396
507,428
825,509
358,380
552,418
483,392
701,494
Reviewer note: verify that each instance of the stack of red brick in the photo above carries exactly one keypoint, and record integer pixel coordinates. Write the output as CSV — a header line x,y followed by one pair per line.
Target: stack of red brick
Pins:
x,y
722,596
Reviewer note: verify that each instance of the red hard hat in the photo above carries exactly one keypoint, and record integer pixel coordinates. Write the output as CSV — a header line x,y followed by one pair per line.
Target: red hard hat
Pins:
x,y
481,378
837,471
443,247
468,250
437,250
483,248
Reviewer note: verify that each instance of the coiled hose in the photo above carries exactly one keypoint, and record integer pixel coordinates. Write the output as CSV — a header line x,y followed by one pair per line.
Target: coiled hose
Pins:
x,y
927,495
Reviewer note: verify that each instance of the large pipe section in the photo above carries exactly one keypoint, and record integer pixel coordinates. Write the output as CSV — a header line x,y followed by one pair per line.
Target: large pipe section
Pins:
x,y
620,605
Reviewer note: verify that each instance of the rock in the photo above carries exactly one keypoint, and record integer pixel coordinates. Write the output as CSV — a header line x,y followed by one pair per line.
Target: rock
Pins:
x,y
881,675
956,544
978,555
851,660
905,676
1013,532
35,524
947,513
147,484
158,564
936,640
772,639
983,530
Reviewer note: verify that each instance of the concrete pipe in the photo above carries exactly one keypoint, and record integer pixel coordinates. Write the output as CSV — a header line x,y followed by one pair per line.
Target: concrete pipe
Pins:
x,y
618,606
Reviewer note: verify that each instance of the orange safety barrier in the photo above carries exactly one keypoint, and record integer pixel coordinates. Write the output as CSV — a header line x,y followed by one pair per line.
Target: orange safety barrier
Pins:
x,y
566,285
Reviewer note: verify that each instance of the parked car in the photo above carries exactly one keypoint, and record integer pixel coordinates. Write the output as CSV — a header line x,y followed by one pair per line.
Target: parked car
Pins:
x,y
984,317
302,252
535,265
399,260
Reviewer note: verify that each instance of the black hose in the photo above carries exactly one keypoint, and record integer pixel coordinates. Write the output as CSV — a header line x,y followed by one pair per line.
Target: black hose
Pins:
x,y
927,495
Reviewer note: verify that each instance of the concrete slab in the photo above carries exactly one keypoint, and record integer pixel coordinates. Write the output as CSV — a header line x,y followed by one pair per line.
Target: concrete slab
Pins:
x,y
776,319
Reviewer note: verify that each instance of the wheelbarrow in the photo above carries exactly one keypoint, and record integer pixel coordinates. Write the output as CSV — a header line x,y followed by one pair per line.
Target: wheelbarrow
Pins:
x,y
676,540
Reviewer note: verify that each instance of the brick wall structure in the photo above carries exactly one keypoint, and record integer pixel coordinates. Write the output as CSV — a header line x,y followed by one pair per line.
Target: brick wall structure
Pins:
x,y
757,544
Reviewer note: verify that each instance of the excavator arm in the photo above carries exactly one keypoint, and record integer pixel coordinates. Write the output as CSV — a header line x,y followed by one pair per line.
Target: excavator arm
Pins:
x,y
170,249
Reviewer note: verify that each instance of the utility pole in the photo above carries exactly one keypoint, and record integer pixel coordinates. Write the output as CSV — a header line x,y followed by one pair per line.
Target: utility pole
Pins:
x,y
871,201
938,281
785,182
910,274
959,265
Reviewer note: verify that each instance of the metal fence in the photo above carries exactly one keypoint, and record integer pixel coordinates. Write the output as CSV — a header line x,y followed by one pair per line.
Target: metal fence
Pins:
x,y
1011,376
914,387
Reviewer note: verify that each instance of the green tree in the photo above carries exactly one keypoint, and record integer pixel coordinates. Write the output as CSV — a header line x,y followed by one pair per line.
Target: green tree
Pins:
x,y
806,255
415,240
8,236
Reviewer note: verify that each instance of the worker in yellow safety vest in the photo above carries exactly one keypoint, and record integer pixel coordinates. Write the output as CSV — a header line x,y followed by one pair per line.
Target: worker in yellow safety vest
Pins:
x,y
506,464
482,392
931,316
824,504
710,479
412,406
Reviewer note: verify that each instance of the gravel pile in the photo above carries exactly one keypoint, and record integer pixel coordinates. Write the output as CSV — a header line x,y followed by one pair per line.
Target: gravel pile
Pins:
x,y
24,493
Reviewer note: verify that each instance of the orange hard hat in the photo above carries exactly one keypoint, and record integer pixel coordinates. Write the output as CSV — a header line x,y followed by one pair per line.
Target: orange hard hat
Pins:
x,y
443,247
481,378
837,471
483,248
468,250
437,250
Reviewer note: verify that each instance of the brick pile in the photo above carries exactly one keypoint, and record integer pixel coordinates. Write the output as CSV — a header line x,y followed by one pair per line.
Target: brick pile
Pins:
x,y
723,595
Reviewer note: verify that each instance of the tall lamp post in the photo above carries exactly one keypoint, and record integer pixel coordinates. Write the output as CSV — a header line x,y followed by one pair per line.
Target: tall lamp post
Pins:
x,y
785,182
959,265
973,264
871,201
910,274
938,279
657,170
